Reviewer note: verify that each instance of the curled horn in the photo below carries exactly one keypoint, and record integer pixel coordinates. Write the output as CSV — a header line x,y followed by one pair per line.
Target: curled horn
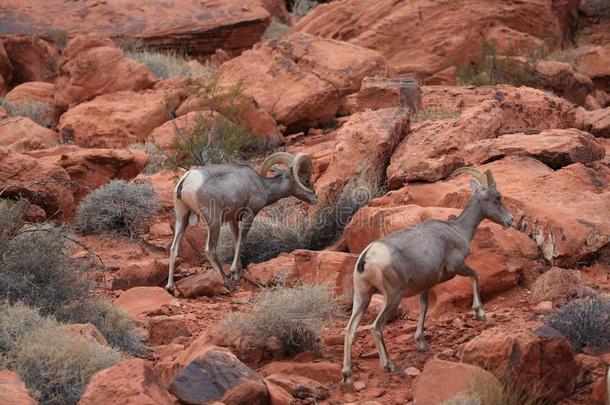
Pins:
x,y
490,178
478,176
302,165
279,157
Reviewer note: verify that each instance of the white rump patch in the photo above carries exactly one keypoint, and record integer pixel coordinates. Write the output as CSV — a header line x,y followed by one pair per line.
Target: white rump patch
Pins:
x,y
193,218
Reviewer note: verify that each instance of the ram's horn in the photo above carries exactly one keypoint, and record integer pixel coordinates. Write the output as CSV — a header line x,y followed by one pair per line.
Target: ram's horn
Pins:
x,y
490,178
478,176
302,165
279,157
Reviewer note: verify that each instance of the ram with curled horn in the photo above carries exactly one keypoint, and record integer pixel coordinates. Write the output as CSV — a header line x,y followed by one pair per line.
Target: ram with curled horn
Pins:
x,y
411,261
235,194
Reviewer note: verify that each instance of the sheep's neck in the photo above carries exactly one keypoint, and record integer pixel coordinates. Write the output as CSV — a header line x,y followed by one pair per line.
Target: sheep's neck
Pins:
x,y
277,188
469,219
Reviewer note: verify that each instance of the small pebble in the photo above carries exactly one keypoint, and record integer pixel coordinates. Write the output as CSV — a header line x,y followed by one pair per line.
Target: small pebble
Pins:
x,y
412,372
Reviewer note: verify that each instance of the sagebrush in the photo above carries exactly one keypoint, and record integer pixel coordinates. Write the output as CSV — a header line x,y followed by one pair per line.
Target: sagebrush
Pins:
x,y
37,111
119,207
584,322
36,268
156,157
294,315
168,64
219,132
486,392
54,364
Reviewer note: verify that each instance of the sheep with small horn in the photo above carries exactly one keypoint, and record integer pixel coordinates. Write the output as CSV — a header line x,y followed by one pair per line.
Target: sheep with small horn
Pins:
x,y
235,194
412,261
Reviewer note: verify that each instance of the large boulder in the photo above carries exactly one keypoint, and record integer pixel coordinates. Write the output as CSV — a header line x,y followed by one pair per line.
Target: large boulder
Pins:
x,y
36,91
146,272
143,300
92,168
13,390
116,120
413,36
33,59
555,147
379,92
434,149
499,256
186,25
219,376
557,284
368,138
443,380
596,122
563,80
301,79
21,134
43,184
540,360
92,66
595,63
131,382
567,226
6,70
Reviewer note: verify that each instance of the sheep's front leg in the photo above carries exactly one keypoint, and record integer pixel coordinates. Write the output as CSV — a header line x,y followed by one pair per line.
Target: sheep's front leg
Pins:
x,y
244,226
477,306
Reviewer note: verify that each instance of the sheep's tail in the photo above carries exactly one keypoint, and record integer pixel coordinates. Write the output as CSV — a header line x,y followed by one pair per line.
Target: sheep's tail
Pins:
x,y
180,185
362,260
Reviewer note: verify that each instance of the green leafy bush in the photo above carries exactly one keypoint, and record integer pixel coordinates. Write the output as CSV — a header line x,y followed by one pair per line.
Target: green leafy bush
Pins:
x,y
294,315
118,207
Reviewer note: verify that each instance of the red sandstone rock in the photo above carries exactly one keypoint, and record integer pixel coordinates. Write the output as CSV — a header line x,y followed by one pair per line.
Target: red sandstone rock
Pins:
x,y
33,59
595,63
147,272
142,300
131,382
37,91
13,390
541,358
20,134
323,372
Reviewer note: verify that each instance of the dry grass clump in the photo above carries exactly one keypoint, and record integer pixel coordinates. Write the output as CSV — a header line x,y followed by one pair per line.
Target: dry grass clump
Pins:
x,y
156,157
166,65
584,322
294,315
118,207
36,268
484,392
112,321
434,113
54,364
37,111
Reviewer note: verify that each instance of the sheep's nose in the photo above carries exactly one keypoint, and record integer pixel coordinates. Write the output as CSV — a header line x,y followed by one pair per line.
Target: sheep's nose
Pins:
x,y
509,221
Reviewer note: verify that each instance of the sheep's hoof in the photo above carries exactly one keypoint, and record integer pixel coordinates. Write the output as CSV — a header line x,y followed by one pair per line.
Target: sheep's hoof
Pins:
x,y
480,315
390,367
230,284
170,288
346,382
422,346
236,274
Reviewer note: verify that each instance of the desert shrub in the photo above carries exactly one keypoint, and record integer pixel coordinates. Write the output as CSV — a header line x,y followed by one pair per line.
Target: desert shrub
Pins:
x,y
156,157
294,315
37,269
219,133
11,219
568,55
276,29
277,229
584,322
54,364
300,8
434,113
483,392
166,65
286,225
112,321
118,207
37,111
491,69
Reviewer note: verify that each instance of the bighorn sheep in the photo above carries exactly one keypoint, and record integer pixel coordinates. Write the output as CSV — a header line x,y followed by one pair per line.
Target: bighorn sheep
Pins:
x,y
412,261
234,194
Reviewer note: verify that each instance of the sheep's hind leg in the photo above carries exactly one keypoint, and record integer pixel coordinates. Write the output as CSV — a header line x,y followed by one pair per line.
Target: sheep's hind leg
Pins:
x,y
389,309
422,346
362,298
182,217
236,270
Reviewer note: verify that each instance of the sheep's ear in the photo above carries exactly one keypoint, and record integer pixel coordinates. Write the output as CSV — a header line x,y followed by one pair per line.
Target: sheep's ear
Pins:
x,y
474,185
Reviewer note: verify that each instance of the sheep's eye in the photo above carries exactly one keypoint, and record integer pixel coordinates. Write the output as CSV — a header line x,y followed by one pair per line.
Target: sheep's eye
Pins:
x,y
498,199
